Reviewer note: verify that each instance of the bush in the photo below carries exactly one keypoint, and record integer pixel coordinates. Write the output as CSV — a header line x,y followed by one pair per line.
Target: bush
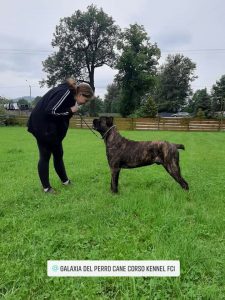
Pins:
x,y
2,120
135,114
2,116
148,109
11,121
200,114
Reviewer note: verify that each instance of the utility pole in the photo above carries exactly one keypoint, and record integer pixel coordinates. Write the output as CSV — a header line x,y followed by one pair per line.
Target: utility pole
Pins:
x,y
30,89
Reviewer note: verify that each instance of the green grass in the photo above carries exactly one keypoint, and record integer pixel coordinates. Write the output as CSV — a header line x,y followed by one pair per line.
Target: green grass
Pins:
x,y
151,218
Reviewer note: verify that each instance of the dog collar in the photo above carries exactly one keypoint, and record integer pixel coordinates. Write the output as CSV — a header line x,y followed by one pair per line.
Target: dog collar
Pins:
x,y
107,131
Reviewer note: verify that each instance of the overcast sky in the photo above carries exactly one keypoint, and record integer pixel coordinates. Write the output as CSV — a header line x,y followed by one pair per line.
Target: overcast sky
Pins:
x,y
192,27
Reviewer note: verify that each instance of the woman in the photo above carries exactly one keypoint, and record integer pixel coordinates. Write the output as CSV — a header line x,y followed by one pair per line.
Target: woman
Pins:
x,y
49,122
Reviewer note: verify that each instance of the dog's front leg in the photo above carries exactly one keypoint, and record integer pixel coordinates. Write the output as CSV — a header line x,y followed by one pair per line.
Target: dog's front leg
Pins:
x,y
114,179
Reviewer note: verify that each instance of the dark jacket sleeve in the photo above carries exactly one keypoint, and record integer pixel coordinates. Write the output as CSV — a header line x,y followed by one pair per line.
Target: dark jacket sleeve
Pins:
x,y
57,104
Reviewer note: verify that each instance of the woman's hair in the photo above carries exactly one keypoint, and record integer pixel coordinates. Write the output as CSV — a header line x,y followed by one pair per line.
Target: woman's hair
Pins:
x,y
72,83
85,89
82,87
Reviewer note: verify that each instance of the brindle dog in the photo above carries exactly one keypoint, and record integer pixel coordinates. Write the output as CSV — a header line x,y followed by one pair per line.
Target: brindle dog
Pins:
x,y
124,153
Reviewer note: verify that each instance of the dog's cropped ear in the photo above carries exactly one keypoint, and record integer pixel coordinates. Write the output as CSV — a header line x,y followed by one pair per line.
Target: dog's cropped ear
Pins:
x,y
109,121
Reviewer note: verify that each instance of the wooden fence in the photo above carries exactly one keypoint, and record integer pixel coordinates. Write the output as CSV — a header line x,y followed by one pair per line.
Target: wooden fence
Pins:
x,y
174,124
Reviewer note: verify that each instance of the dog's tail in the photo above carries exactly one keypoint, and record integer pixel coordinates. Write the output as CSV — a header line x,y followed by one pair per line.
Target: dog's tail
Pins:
x,y
180,146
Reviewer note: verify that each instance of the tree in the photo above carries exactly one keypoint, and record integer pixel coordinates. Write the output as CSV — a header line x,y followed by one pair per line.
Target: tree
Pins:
x,y
200,114
92,110
23,102
148,108
85,41
201,101
218,95
4,100
136,67
35,101
112,98
174,84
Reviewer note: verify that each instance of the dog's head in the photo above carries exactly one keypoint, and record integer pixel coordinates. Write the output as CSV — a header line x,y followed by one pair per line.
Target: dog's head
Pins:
x,y
102,124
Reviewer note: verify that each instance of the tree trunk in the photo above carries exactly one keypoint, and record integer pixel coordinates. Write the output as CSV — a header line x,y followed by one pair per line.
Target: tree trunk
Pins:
x,y
92,84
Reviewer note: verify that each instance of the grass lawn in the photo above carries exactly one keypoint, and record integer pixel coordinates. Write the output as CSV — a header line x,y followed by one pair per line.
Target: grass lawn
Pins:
x,y
151,218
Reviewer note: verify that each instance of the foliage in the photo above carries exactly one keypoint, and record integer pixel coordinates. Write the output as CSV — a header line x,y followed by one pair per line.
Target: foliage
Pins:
x,y
136,67
112,98
2,110
200,114
22,101
4,100
3,115
148,108
35,101
201,100
218,95
84,41
23,104
92,108
11,120
174,81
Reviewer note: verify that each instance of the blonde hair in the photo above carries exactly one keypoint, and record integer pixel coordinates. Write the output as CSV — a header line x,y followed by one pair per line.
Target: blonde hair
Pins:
x,y
82,87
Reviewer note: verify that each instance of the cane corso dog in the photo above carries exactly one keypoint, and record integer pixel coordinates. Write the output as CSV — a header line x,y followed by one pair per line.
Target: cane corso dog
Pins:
x,y
124,153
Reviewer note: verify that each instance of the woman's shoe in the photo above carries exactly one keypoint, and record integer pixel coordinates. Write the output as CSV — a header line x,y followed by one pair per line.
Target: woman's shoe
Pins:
x,y
68,182
49,190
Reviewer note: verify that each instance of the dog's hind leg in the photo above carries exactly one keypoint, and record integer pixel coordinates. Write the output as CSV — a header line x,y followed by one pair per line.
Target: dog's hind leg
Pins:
x,y
173,169
115,172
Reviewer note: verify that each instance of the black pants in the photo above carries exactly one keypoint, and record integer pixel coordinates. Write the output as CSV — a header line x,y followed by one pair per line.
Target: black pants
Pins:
x,y
45,151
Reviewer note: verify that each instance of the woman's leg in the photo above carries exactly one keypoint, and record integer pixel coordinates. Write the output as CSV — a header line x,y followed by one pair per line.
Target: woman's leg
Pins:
x,y
57,151
43,164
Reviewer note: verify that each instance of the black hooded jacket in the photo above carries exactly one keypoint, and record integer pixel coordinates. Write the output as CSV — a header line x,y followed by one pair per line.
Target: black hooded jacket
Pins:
x,y
49,120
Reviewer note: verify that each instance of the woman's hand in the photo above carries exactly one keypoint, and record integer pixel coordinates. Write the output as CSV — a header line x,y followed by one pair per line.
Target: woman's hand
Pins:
x,y
74,108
